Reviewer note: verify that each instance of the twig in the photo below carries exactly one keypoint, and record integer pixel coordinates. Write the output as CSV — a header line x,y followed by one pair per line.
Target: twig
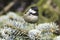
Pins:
x,y
6,8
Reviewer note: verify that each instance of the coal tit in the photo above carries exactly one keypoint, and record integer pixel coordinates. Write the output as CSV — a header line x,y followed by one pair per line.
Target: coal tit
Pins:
x,y
31,16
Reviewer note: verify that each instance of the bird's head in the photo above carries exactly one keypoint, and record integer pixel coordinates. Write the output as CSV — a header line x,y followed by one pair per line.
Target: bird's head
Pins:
x,y
33,11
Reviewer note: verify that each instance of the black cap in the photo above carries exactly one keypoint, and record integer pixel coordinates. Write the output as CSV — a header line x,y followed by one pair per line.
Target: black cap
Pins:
x,y
35,8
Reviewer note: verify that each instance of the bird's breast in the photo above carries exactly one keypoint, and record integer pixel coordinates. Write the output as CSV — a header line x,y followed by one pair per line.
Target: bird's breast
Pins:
x,y
31,18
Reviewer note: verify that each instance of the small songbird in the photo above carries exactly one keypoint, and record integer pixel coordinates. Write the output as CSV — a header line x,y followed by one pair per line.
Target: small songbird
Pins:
x,y
31,16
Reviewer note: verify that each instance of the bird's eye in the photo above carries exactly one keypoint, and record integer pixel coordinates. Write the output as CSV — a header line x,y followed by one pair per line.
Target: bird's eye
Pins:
x,y
31,13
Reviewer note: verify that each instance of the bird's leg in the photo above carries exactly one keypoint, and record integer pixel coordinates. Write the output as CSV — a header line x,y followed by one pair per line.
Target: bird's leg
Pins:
x,y
34,25
28,23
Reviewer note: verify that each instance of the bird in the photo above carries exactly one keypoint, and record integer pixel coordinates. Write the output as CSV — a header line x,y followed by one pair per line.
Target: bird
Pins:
x,y
31,16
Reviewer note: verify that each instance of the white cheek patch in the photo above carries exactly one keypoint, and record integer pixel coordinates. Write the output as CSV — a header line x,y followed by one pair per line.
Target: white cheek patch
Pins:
x,y
32,11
